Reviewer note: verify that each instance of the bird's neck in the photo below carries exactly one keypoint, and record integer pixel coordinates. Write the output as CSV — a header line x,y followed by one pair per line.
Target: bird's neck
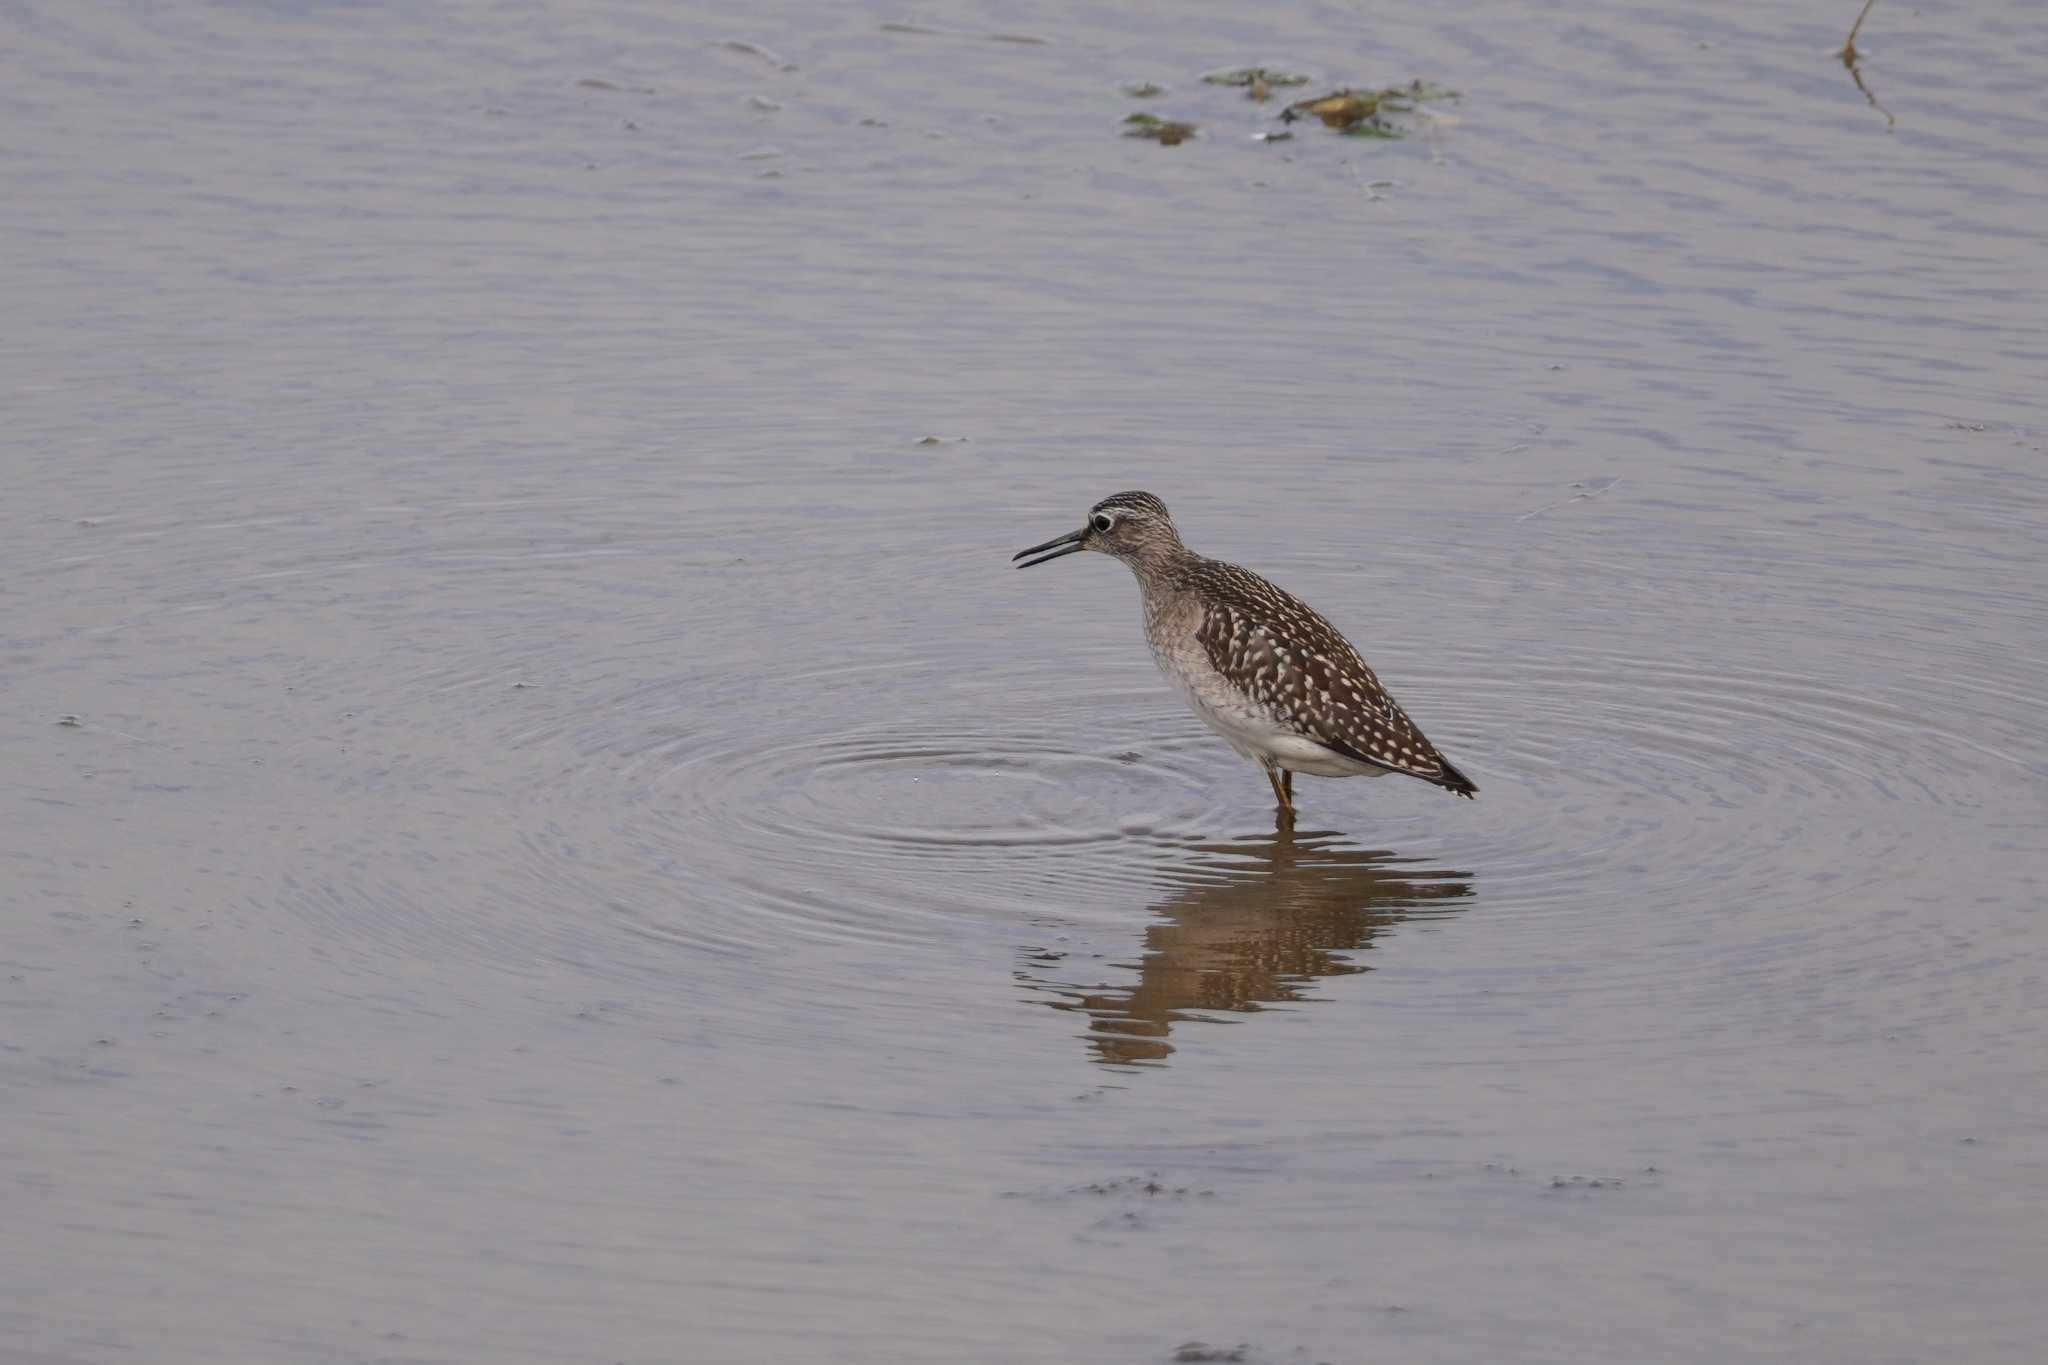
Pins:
x,y
1162,567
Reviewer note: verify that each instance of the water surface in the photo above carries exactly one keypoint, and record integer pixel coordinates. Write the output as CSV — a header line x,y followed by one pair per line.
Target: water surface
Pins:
x,y
540,825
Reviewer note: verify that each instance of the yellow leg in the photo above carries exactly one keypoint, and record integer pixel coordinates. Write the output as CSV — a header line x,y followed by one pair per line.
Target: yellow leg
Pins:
x,y
1283,794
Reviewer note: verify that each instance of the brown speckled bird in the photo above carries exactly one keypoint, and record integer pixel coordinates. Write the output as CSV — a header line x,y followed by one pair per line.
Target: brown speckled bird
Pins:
x,y
1260,665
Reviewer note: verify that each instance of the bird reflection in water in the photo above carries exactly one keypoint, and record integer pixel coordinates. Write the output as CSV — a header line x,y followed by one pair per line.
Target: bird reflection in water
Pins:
x,y
1249,923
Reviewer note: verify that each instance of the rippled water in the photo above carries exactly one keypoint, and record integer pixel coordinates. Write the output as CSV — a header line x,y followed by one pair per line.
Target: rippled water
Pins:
x,y
541,825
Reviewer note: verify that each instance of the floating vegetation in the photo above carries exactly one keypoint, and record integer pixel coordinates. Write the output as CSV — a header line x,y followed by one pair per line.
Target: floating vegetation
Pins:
x,y
1852,59
1257,81
1190,1352
1364,113
1353,112
1164,131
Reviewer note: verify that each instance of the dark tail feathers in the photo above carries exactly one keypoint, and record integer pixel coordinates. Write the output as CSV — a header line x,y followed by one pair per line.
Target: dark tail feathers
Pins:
x,y
1451,780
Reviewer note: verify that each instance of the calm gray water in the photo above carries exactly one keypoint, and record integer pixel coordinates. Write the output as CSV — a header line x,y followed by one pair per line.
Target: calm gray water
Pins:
x,y
540,826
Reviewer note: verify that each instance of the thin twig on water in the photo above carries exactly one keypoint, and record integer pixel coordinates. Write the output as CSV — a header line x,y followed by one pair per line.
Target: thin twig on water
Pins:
x,y
1851,57
1848,52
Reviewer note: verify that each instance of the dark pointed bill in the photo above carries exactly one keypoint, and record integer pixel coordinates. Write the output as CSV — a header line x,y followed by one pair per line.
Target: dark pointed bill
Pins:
x,y
1068,544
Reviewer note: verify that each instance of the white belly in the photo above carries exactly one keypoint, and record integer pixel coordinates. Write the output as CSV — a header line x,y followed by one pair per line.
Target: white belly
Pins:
x,y
1251,730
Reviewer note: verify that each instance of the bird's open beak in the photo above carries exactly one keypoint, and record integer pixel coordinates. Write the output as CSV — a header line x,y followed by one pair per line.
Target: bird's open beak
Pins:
x,y
1068,544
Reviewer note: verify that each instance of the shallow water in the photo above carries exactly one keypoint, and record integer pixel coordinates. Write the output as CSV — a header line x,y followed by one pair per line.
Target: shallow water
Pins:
x,y
541,825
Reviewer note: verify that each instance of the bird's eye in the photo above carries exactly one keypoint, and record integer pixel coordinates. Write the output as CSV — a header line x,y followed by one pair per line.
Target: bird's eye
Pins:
x,y
1102,521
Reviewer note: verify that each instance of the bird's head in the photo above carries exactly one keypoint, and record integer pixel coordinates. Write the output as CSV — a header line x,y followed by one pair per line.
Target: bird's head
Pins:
x,y
1129,526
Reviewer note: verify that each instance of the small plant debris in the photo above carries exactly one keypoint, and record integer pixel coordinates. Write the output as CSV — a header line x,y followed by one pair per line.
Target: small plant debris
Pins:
x,y
1849,54
1345,109
1136,1188
1352,111
1364,113
1203,1351
1165,132
1149,1185
1256,81
1852,58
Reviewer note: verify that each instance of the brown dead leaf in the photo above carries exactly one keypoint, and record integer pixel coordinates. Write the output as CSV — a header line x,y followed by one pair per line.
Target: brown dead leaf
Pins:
x,y
1345,109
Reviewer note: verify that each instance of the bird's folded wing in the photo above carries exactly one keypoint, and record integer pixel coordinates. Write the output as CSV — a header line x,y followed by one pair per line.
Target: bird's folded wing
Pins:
x,y
1286,657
